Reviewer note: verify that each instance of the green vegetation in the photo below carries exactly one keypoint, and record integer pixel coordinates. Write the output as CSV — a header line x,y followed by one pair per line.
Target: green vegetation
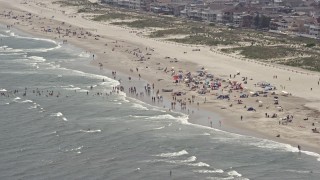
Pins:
x,y
310,45
109,16
175,31
299,40
162,33
73,2
91,10
144,23
201,40
311,63
264,52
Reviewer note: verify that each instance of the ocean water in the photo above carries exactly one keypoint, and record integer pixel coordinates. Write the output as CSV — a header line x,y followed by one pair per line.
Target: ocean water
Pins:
x,y
50,128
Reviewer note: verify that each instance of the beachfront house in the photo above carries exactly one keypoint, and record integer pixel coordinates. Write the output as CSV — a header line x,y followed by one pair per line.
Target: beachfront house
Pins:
x,y
130,4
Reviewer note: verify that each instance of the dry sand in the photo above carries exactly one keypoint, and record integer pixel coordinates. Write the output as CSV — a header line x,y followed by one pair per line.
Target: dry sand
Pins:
x,y
113,47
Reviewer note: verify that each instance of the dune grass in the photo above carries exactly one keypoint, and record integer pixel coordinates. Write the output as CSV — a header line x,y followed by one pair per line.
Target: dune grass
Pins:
x,y
311,63
112,15
146,23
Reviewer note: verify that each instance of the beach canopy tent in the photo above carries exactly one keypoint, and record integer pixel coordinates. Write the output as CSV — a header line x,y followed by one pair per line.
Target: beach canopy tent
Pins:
x,y
209,76
178,93
223,96
284,93
251,109
175,77
243,96
253,94
200,73
268,88
263,83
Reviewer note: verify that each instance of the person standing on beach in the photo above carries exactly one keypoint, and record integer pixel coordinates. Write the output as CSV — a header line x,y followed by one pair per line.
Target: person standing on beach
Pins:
x,y
241,117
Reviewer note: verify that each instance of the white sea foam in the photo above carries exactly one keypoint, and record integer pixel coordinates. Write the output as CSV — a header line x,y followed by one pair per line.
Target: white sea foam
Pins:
x,y
74,149
33,106
11,50
173,154
27,101
44,49
91,131
164,116
17,98
234,173
138,116
184,119
3,90
85,55
12,54
187,162
218,178
206,134
34,38
190,159
58,114
73,88
2,35
154,108
199,164
159,128
107,83
139,107
298,171
96,76
204,171
272,145
38,49
37,59
157,109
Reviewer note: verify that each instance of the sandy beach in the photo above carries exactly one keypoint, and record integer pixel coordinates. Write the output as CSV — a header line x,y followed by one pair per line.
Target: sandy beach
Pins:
x,y
126,50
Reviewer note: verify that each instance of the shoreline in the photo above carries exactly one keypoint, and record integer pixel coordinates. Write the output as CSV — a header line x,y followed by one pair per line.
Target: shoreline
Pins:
x,y
107,53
